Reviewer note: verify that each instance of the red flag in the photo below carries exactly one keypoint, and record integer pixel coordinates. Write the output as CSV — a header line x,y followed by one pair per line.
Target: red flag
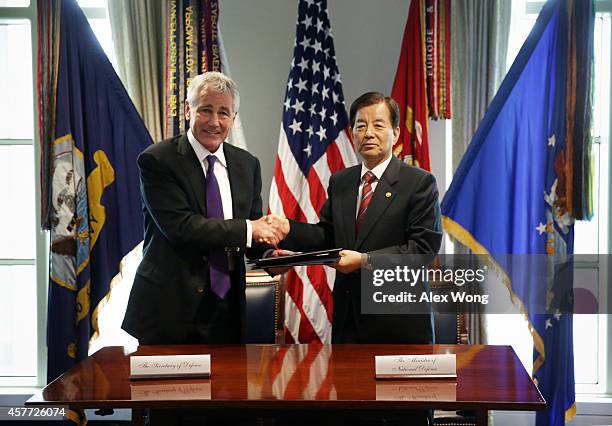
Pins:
x,y
410,92
446,113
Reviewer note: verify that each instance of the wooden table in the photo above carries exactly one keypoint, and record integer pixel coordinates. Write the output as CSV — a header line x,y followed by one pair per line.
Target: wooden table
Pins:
x,y
290,378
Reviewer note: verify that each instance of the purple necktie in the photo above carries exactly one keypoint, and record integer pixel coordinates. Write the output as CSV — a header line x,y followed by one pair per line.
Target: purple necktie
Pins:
x,y
217,259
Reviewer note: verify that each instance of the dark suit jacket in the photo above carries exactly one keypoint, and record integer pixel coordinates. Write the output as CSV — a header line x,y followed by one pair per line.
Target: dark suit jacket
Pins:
x,y
408,222
173,275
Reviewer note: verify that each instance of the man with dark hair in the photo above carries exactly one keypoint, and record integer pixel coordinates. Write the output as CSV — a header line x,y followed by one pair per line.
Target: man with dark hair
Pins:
x,y
382,206
373,98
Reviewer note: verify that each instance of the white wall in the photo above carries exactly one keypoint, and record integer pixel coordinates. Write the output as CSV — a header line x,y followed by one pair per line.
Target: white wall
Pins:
x,y
258,37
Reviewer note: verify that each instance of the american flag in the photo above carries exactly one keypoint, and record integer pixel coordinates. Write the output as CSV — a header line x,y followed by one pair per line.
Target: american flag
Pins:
x,y
313,144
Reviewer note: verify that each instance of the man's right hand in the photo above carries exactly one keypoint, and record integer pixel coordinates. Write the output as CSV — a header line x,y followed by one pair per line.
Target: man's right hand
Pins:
x,y
282,223
270,229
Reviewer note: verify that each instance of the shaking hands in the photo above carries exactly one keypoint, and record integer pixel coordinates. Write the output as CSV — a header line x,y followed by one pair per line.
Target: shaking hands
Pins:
x,y
270,229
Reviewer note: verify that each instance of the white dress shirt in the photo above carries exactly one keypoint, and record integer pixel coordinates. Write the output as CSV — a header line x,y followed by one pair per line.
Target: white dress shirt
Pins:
x,y
378,172
220,171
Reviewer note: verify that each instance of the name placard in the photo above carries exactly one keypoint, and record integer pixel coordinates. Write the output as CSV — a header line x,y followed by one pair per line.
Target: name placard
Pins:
x,y
169,366
142,391
416,366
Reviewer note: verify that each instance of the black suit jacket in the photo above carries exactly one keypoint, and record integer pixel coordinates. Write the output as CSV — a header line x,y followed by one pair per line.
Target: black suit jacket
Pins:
x,y
173,275
403,217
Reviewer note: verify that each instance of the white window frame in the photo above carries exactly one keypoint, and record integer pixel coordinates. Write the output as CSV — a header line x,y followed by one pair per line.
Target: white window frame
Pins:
x,y
16,15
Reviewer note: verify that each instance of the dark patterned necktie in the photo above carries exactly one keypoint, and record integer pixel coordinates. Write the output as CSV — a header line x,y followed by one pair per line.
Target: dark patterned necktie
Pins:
x,y
366,196
217,259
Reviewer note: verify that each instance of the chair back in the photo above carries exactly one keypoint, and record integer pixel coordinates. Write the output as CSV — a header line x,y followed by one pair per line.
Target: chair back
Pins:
x,y
450,325
264,319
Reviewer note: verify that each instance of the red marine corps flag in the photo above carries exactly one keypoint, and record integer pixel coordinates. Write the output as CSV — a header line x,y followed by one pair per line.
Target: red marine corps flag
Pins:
x,y
422,80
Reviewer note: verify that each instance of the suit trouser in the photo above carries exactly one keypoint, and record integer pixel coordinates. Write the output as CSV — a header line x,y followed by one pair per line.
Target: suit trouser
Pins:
x,y
217,320
350,334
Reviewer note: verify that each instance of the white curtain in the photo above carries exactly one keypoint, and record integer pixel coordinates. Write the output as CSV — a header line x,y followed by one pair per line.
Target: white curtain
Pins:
x,y
137,28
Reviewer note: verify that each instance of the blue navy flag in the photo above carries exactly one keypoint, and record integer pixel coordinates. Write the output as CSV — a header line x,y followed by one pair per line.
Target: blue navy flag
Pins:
x,y
524,179
95,214
313,144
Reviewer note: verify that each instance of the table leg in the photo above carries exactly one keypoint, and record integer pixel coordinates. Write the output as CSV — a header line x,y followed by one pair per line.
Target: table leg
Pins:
x,y
482,417
138,416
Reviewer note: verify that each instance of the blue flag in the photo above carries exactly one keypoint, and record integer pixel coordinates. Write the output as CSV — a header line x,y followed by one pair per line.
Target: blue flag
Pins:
x,y
95,214
521,184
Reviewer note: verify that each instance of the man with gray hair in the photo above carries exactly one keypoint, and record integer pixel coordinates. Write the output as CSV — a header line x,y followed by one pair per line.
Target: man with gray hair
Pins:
x,y
202,207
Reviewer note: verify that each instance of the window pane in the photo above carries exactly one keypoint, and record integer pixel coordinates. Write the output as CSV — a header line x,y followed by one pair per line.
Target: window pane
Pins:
x,y
521,24
102,30
92,3
511,329
14,3
587,233
18,320
586,349
16,106
591,237
17,198
601,94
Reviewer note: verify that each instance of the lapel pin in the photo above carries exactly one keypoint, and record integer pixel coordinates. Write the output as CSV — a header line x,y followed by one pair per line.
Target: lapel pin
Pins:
x,y
388,194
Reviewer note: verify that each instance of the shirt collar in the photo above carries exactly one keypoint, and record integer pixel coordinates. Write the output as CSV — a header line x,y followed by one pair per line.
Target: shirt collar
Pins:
x,y
202,152
378,170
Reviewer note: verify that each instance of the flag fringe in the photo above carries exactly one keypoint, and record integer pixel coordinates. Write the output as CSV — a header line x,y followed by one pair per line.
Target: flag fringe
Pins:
x,y
136,251
77,416
570,413
463,236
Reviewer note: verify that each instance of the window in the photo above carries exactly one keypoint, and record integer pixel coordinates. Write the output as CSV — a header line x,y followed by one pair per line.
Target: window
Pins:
x,y
14,3
16,83
590,336
20,326
23,248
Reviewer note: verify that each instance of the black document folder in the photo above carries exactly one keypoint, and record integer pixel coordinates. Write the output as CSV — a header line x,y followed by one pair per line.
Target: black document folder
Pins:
x,y
322,257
